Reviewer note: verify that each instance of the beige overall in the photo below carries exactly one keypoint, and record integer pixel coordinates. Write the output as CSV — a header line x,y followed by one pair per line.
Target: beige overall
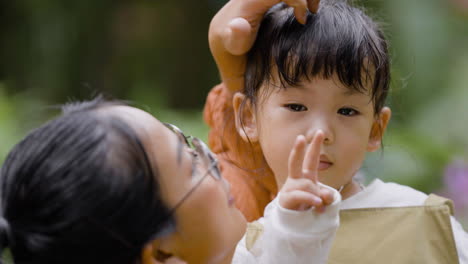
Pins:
x,y
417,234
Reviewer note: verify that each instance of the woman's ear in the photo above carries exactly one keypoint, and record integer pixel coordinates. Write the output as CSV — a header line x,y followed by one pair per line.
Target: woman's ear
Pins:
x,y
378,129
147,256
244,115
155,253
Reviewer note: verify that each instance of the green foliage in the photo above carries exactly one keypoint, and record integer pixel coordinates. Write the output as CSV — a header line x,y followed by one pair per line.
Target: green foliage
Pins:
x,y
8,124
155,54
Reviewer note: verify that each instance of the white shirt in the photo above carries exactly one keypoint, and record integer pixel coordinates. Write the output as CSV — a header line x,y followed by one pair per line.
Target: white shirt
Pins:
x,y
291,236
306,237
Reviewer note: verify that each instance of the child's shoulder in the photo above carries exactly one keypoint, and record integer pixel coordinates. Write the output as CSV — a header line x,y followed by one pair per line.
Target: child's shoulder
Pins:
x,y
385,194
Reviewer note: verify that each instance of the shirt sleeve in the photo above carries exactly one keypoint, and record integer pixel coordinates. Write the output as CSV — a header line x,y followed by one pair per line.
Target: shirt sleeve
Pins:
x,y
461,241
291,236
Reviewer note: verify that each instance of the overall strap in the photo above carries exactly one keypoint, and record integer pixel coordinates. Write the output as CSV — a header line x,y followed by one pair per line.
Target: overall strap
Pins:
x,y
435,200
388,235
254,231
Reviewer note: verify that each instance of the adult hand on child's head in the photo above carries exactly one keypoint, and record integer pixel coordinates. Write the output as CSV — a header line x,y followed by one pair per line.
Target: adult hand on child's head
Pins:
x,y
301,190
233,31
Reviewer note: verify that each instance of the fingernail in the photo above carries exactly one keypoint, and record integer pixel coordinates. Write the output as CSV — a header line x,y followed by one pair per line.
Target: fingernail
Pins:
x,y
314,6
318,200
298,141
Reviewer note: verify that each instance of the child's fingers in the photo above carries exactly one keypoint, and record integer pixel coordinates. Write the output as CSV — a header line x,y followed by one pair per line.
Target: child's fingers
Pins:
x,y
320,209
296,157
313,5
237,37
312,157
302,184
327,196
299,200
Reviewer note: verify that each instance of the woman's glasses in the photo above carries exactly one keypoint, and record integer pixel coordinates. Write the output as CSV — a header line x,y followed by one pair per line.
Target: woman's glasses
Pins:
x,y
205,155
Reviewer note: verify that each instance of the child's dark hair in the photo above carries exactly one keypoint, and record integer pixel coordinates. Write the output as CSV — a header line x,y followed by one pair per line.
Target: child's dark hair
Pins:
x,y
339,40
80,189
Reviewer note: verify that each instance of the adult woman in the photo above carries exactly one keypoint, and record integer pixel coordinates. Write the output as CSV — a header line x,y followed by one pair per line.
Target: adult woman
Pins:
x,y
108,183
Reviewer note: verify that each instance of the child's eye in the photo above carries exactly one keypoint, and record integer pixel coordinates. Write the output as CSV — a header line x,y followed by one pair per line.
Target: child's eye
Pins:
x,y
296,107
347,112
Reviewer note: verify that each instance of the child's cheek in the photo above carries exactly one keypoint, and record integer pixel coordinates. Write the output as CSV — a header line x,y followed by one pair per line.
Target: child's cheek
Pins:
x,y
276,148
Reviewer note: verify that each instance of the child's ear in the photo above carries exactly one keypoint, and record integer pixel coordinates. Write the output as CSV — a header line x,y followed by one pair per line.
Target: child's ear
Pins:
x,y
378,129
244,115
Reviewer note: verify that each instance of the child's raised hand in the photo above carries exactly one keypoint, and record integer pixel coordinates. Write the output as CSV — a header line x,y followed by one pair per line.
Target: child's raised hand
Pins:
x,y
301,190
233,31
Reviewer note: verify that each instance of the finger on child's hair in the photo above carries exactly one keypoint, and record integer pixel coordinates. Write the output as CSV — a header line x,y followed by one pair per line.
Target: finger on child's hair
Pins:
x,y
300,200
296,156
313,5
327,196
300,9
312,157
236,36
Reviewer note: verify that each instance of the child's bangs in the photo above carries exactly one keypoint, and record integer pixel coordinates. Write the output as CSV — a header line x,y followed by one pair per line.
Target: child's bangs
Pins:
x,y
338,41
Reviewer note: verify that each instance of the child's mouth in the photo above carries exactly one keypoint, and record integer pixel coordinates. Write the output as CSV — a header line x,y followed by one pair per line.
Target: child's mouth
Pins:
x,y
324,165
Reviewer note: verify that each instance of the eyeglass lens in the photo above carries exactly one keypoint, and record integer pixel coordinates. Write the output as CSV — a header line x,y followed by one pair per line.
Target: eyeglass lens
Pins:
x,y
201,148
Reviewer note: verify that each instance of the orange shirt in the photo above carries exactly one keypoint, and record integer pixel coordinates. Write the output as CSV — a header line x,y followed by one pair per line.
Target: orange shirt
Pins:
x,y
252,182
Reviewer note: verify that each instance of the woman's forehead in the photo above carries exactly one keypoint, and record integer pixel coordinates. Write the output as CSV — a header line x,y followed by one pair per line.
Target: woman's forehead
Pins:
x,y
135,117
156,137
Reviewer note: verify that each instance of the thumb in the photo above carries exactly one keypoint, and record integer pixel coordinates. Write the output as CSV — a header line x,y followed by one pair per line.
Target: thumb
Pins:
x,y
327,196
238,37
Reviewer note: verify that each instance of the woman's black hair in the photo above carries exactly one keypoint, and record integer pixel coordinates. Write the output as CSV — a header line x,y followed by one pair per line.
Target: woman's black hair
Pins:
x,y
80,189
339,40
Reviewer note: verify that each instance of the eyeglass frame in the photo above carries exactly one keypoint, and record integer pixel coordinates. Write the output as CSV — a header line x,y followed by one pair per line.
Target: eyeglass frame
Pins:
x,y
205,153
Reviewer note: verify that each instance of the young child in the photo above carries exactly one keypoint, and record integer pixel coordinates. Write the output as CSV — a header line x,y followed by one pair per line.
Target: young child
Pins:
x,y
300,225
330,74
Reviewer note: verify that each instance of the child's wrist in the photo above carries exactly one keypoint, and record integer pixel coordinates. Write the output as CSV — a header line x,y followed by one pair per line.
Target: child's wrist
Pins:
x,y
307,221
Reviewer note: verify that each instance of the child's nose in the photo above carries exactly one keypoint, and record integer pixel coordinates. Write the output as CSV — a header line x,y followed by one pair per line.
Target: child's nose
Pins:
x,y
327,132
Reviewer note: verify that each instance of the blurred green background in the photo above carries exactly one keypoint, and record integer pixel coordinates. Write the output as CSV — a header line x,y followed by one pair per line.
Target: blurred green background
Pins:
x,y
155,53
